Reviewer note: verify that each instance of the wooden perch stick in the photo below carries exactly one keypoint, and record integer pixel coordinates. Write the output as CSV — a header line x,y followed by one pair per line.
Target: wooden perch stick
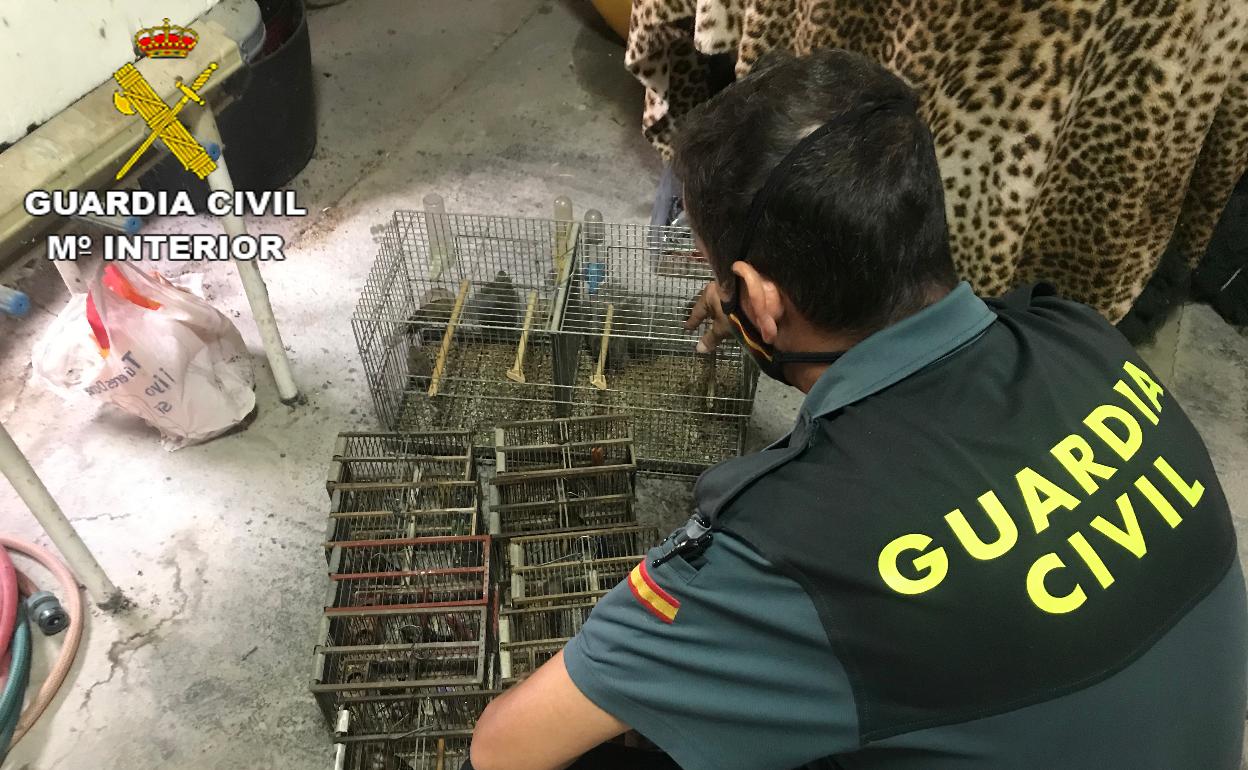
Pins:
x,y
441,754
599,380
516,373
447,336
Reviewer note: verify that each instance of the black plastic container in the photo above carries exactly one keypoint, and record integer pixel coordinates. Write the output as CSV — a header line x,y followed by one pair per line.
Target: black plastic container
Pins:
x,y
269,131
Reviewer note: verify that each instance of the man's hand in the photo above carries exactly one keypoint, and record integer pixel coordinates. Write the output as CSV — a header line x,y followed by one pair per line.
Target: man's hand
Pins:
x,y
543,723
707,305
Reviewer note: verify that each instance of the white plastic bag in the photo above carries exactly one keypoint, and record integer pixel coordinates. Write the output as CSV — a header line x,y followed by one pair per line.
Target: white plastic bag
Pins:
x,y
154,351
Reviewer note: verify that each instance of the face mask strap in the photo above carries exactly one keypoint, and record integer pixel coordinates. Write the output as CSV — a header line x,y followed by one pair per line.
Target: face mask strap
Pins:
x,y
807,358
735,315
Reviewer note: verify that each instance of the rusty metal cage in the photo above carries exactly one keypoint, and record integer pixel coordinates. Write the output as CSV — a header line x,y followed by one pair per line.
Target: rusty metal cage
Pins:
x,y
530,636
577,565
408,573
424,751
366,652
363,460
402,511
436,710
565,443
540,501
477,320
631,291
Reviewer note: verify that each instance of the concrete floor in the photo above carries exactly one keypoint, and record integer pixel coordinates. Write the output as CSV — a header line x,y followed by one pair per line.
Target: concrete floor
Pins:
x,y
499,105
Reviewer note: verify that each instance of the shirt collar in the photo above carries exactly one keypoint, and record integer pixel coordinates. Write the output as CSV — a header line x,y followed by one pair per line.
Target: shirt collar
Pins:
x,y
895,352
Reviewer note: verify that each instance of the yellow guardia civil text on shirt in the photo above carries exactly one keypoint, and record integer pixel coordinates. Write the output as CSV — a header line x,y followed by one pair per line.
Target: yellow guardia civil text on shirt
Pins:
x,y
910,565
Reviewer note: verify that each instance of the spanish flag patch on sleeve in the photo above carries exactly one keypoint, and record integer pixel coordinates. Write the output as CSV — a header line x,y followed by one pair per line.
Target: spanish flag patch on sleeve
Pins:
x,y
658,602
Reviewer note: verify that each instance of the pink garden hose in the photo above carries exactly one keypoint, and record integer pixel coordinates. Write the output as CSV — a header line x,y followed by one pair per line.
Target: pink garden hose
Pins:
x,y
69,648
8,610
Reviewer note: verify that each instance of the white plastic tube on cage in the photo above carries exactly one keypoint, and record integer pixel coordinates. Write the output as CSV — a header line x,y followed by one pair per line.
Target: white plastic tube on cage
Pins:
x,y
441,248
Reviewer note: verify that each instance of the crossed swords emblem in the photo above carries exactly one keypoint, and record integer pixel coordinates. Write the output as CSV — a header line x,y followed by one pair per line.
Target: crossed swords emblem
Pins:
x,y
138,96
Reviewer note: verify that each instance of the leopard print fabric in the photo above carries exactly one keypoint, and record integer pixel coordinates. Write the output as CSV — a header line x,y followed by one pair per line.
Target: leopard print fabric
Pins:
x,y
1076,139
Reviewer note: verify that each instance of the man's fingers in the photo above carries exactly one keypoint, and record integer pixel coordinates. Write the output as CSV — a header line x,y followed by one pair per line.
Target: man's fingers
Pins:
x,y
709,341
698,313
707,307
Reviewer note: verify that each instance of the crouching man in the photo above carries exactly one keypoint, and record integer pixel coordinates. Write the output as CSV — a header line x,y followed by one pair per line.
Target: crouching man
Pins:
x,y
991,540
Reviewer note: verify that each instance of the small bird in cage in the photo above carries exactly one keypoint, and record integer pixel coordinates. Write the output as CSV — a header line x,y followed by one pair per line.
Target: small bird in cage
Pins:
x,y
495,304
419,367
363,630
628,322
435,309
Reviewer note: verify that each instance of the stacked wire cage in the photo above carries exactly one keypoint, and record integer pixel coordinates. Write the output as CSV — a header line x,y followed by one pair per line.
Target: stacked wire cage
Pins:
x,y
457,321
529,636
427,729
562,474
573,566
364,460
405,614
630,294
402,485
417,751
477,320
404,510
554,581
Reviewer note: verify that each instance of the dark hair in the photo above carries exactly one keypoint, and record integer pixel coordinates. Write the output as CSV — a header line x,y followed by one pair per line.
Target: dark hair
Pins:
x,y
855,232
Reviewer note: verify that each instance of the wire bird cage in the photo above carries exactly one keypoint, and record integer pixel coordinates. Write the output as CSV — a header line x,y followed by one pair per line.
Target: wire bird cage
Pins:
x,y
629,296
562,473
425,751
369,460
438,710
530,636
478,320
403,511
368,653
578,565
528,502
580,442
455,325
391,575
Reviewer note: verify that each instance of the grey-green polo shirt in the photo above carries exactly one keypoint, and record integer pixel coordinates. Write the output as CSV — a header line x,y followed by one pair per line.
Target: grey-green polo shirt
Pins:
x,y
992,540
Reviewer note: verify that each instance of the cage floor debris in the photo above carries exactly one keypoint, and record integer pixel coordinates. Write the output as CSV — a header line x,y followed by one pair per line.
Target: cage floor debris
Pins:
x,y
671,428
478,404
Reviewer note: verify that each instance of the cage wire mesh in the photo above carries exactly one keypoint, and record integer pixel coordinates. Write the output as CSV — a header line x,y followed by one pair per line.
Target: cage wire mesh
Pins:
x,y
453,299
362,460
579,565
565,443
631,291
472,288
409,573
432,751
435,710
364,653
530,636
526,502
403,511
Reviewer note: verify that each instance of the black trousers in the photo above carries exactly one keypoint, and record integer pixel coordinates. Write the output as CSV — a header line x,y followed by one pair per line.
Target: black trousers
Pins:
x,y
611,756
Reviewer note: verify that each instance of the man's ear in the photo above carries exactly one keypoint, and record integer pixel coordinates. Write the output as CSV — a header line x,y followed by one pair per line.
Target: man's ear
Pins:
x,y
761,300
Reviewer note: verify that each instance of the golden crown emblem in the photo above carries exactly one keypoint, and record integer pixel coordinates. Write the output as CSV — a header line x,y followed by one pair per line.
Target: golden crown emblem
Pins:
x,y
168,41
